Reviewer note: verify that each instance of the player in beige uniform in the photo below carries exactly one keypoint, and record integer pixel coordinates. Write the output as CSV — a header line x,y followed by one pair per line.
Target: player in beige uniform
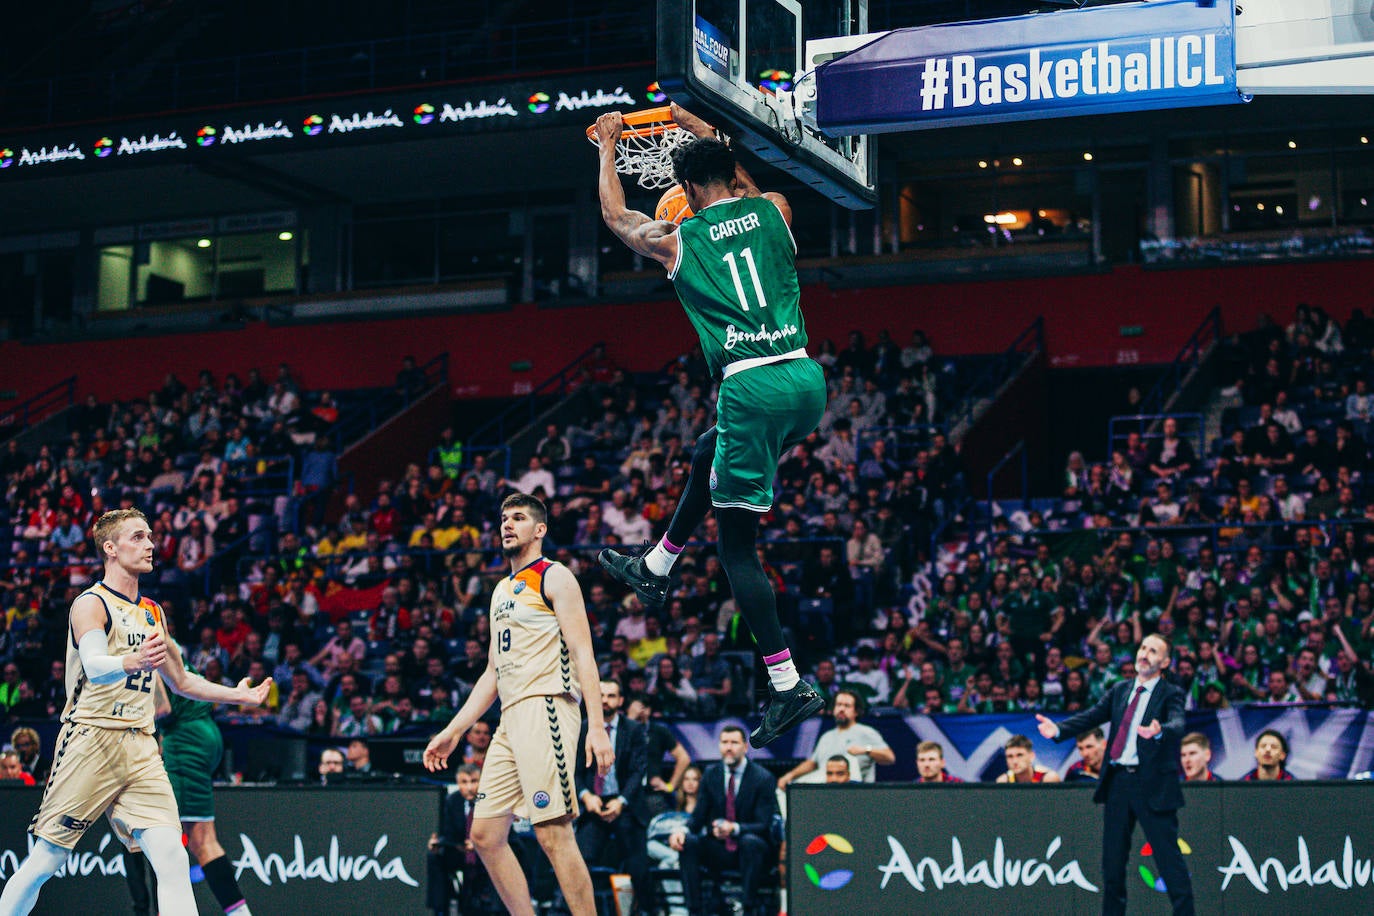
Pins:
x,y
107,760
540,665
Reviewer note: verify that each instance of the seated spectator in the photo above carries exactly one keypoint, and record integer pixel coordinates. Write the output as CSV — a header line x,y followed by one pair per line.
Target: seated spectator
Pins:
x,y
1195,758
731,826
1021,765
662,747
451,850
11,770
930,764
611,828
331,766
53,691
358,720
837,770
711,677
359,758
25,741
343,642
861,745
684,803
474,661
1171,456
299,707
1271,755
322,721
390,621
1091,749
1281,689
870,679
476,743
825,682
671,688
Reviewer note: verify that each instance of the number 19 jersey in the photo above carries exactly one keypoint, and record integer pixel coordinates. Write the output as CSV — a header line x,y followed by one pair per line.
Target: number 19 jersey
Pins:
x,y
736,276
527,646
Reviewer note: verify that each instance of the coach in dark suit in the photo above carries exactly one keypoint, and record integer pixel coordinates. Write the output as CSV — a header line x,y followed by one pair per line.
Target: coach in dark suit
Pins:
x,y
1140,773
612,829
731,824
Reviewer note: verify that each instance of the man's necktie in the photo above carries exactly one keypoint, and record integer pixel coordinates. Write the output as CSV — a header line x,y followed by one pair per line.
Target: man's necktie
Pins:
x,y
731,844
470,855
1123,729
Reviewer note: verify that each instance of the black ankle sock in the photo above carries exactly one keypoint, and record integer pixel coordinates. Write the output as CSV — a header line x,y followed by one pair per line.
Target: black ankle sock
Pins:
x,y
219,874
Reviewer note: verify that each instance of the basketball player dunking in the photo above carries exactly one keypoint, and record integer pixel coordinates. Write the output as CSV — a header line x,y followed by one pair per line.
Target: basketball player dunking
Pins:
x,y
541,664
734,269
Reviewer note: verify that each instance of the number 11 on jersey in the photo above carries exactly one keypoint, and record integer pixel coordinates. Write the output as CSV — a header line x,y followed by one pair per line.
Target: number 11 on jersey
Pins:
x,y
748,256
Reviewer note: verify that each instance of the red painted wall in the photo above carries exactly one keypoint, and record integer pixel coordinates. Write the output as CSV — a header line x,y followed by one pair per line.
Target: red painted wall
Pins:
x,y
1083,317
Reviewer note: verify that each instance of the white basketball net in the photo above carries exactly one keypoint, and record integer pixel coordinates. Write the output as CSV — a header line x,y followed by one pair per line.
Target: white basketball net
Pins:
x,y
650,157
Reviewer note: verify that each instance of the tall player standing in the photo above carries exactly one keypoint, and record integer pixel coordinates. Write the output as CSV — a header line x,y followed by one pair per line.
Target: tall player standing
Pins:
x,y
107,760
541,664
733,266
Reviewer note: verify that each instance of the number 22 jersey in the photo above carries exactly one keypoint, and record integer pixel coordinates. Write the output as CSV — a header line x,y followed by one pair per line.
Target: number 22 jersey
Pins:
x,y
527,646
128,702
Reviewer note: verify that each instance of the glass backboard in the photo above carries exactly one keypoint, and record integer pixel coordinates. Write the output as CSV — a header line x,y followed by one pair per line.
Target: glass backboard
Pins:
x,y
740,64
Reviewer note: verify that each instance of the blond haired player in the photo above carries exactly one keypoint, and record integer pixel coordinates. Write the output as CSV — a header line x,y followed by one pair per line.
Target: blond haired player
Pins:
x,y
540,665
107,760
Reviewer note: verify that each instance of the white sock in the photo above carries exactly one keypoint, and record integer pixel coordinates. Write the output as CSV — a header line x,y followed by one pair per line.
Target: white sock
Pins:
x,y
661,558
782,674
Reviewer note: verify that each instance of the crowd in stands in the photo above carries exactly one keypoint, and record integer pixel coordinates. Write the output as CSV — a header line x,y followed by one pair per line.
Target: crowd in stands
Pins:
x,y
1253,554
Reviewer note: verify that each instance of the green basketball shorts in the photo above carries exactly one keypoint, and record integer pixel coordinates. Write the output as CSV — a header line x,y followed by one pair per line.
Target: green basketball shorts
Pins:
x,y
191,755
760,413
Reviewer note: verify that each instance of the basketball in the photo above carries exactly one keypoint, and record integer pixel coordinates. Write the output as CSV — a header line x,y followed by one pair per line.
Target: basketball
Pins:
x,y
672,206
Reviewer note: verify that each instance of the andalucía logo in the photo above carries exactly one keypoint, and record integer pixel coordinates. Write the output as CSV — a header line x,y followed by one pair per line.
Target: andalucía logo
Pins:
x,y
539,102
1148,876
313,125
831,880
655,94
6,158
103,147
424,113
205,136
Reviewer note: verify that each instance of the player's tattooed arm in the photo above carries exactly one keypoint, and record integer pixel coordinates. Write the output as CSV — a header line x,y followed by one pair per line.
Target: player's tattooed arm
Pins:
x,y
652,238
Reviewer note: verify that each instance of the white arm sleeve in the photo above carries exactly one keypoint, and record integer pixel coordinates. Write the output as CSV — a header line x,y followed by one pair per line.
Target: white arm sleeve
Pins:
x,y
101,667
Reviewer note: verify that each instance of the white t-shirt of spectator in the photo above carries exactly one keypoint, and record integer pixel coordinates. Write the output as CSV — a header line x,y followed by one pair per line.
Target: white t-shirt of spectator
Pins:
x,y
837,741
877,679
534,479
630,526
1165,511
1291,508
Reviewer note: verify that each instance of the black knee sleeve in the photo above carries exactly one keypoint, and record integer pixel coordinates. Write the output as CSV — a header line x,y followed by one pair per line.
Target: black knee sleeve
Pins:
x,y
739,531
696,498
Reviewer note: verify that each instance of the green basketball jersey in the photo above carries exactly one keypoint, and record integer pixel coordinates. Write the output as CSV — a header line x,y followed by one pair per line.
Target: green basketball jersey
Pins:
x,y
736,275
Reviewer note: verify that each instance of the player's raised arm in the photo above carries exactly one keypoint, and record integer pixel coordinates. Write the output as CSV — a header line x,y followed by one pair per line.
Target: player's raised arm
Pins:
x,y
744,182
650,237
